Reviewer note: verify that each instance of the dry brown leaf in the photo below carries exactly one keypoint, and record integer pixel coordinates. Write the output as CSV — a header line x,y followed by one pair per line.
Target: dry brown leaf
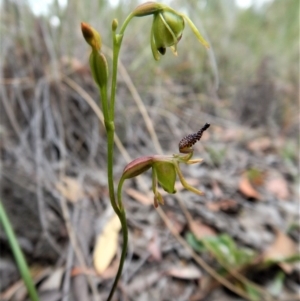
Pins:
x,y
111,271
201,230
186,272
177,225
278,187
78,270
227,205
282,247
256,176
218,193
247,189
260,144
213,206
106,245
154,247
232,134
70,188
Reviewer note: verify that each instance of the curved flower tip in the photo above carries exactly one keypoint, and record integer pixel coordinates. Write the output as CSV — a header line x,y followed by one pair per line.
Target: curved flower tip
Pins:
x,y
91,36
196,32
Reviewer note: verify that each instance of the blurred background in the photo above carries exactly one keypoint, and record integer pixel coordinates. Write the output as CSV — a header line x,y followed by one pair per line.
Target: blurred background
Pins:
x,y
53,152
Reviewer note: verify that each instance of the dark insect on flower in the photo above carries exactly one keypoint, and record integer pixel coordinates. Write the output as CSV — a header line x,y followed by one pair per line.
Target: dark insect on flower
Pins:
x,y
186,143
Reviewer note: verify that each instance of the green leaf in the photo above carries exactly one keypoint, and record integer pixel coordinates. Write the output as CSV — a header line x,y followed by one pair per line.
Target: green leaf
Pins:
x,y
252,293
224,248
276,285
194,242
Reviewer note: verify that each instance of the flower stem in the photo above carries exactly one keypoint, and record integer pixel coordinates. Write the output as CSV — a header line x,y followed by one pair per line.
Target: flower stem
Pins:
x,y
110,129
122,216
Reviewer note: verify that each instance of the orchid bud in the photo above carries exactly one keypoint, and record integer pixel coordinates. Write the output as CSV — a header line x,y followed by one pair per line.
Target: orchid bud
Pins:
x,y
114,25
98,65
91,36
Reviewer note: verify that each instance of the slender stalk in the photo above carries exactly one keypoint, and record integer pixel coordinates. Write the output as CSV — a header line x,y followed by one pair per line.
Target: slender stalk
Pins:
x,y
18,254
126,22
110,129
104,102
110,155
117,41
116,50
122,217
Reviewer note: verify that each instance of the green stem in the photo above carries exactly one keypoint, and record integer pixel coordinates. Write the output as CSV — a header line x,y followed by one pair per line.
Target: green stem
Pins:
x,y
126,22
104,102
18,254
122,216
116,50
117,41
110,129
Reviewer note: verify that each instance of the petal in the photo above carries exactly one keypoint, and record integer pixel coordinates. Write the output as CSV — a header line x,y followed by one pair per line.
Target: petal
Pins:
x,y
155,52
196,31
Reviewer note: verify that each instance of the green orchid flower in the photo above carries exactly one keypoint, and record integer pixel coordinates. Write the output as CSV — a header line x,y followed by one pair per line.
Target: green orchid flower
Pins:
x,y
167,27
165,169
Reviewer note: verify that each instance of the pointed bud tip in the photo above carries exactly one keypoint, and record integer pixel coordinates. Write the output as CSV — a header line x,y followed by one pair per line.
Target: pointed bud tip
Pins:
x,y
91,36
86,30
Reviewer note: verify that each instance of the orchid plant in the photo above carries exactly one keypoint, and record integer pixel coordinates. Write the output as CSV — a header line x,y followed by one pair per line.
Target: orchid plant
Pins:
x,y
166,31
